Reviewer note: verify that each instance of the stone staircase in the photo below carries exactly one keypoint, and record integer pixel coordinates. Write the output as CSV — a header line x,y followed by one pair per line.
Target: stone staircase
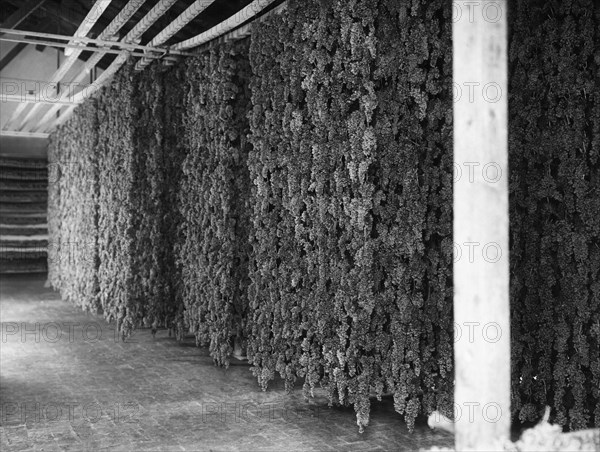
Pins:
x,y
23,208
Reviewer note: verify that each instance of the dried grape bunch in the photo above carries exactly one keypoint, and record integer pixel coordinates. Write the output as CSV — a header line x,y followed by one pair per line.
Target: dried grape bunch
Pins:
x,y
541,437
544,437
437,420
548,437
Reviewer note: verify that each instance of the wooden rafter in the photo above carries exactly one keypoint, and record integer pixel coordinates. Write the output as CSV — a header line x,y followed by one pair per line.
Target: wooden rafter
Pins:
x,y
11,55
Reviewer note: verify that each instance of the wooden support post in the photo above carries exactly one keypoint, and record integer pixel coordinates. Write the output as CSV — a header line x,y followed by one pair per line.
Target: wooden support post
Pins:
x,y
481,272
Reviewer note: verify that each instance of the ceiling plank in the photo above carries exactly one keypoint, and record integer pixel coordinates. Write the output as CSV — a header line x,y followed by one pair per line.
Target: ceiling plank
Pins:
x,y
22,13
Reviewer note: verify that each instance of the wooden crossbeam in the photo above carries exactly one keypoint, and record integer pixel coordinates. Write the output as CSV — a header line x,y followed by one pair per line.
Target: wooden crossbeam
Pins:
x,y
15,133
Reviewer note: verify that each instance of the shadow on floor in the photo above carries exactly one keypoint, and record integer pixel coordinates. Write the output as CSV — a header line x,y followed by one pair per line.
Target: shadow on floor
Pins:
x,y
87,390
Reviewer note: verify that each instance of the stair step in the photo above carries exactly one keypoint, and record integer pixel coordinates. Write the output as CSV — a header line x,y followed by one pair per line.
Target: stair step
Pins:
x,y
29,225
20,243
32,207
23,174
14,235
11,254
14,162
10,260
21,185
22,220
24,230
30,214
23,211
20,197
26,265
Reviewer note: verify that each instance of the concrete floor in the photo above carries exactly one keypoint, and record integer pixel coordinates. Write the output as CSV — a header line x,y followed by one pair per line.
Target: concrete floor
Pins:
x,y
67,383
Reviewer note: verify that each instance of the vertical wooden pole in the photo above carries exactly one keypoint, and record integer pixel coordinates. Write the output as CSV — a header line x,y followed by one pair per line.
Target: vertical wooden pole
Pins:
x,y
481,272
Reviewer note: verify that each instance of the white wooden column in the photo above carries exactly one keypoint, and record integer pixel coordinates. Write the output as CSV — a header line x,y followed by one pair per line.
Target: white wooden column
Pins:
x,y
481,272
